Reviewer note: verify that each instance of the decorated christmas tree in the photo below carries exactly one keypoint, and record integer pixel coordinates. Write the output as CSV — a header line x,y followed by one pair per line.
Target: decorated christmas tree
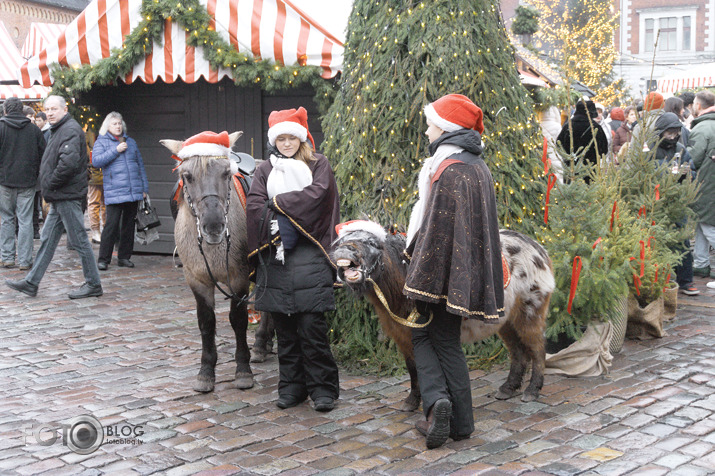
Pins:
x,y
399,56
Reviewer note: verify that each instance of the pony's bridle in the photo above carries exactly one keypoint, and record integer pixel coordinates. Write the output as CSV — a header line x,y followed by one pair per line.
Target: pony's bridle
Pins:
x,y
200,240
411,320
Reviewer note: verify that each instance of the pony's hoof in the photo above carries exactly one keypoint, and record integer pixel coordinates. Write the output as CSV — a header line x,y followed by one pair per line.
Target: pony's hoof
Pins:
x,y
410,404
258,357
244,380
502,395
529,397
204,384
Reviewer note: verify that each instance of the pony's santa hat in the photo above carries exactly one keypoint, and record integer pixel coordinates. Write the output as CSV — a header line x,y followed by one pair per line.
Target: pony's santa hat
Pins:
x,y
206,143
454,112
289,121
361,225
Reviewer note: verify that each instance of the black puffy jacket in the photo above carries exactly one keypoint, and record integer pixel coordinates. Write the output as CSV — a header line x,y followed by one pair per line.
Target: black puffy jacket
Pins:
x,y
21,147
63,173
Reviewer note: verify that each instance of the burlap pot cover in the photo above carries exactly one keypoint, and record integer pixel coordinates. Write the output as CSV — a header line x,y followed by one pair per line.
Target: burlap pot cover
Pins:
x,y
670,301
645,322
587,357
619,319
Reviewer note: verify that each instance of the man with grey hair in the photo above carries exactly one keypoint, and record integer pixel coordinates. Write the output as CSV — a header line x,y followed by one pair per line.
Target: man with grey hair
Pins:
x,y
701,146
63,178
21,148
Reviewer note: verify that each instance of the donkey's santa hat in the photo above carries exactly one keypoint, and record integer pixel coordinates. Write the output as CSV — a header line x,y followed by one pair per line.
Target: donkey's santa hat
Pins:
x,y
205,144
361,225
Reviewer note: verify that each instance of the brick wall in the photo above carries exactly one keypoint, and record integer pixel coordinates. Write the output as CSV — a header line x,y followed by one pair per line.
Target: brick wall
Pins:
x,y
17,16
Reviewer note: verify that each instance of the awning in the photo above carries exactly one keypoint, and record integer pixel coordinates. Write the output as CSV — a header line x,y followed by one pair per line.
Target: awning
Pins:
x,y
529,79
40,35
10,61
696,76
267,29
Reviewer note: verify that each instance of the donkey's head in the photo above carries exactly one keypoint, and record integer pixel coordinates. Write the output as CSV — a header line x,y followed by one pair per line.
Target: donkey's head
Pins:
x,y
365,250
205,171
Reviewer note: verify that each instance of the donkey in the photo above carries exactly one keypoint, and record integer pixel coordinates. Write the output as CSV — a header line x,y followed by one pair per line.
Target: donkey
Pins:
x,y
371,263
210,234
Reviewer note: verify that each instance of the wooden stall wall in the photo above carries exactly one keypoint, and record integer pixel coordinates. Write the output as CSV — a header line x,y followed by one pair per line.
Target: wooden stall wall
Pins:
x,y
178,111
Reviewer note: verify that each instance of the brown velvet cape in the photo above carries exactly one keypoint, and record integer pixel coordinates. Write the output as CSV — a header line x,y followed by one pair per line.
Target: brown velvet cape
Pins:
x,y
456,255
314,211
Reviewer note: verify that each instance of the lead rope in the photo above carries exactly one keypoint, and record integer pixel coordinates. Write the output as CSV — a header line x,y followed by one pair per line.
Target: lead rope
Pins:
x,y
410,321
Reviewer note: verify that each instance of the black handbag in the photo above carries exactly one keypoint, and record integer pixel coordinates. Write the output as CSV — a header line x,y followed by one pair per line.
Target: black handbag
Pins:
x,y
146,216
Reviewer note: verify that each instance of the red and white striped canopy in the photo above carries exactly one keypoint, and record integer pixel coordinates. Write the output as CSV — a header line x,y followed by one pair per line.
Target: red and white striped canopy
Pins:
x,y
10,61
268,29
695,77
40,35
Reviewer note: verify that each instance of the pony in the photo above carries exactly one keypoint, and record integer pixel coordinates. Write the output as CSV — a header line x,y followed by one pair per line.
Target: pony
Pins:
x,y
210,234
370,262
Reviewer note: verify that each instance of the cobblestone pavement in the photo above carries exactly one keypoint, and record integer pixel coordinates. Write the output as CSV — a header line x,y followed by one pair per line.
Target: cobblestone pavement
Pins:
x,y
130,357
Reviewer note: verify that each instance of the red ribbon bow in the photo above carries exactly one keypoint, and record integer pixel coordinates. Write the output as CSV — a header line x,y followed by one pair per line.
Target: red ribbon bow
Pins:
x,y
575,273
550,185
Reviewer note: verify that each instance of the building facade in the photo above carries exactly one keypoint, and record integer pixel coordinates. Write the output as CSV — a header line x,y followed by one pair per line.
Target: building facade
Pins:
x,y
662,37
19,14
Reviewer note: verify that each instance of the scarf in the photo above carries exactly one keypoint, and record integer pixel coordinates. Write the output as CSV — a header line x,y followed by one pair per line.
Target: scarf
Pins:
x,y
287,175
424,185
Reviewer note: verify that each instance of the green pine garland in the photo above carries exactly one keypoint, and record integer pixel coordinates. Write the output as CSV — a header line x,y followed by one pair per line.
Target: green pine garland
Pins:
x,y
194,18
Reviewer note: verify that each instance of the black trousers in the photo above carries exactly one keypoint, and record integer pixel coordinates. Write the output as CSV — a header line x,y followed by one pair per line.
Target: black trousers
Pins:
x,y
305,363
119,228
442,368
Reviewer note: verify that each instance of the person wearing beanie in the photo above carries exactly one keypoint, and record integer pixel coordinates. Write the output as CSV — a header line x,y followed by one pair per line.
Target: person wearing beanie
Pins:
x,y
292,209
455,269
644,131
617,116
583,136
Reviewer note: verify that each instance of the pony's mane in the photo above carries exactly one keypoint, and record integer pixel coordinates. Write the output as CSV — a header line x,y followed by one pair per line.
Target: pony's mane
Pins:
x,y
198,165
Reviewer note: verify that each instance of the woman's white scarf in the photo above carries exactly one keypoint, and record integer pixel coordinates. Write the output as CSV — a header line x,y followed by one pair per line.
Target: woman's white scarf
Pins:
x,y
287,175
424,184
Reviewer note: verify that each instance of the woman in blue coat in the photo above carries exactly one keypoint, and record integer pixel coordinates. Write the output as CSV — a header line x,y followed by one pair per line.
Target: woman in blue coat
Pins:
x,y
125,184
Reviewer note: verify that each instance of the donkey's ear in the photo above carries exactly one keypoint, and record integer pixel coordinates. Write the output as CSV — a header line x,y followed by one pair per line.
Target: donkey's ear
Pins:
x,y
232,138
173,145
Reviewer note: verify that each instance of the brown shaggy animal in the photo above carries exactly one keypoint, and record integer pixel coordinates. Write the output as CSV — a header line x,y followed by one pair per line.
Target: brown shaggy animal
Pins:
x,y
209,203
376,255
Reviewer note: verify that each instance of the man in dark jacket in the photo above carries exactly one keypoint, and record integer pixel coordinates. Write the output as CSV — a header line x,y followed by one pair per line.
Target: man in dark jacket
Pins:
x,y
701,146
63,177
21,148
583,136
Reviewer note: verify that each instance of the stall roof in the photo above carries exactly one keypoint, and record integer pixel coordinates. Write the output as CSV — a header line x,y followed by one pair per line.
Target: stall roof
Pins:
x,y
39,36
280,30
10,61
696,76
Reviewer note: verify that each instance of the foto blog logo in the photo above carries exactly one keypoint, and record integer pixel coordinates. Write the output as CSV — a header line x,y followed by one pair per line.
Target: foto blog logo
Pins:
x,y
83,434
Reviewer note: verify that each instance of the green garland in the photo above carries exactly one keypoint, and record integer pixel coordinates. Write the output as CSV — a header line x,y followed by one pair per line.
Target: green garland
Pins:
x,y
194,18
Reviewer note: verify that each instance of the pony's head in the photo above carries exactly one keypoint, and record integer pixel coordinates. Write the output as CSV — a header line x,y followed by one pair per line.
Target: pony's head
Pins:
x,y
365,250
205,172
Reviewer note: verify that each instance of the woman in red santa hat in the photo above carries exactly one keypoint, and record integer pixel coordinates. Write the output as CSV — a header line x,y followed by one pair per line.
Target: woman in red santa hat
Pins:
x,y
455,269
292,209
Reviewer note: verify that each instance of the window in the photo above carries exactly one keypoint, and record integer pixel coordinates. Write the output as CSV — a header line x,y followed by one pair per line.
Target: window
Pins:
x,y
668,39
673,30
686,33
649,37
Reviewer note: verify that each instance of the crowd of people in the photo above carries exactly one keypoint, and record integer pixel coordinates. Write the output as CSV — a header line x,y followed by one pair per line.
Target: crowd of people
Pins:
x,y
46,158
679,130
296,190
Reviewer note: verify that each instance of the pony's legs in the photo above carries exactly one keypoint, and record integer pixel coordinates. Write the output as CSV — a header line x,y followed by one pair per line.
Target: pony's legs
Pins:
x,y
412,402
207,325
263,345
533,339
239,321
519,361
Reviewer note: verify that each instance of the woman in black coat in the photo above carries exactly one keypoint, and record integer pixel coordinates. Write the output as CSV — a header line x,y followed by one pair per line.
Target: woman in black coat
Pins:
x,y
292,209
583,136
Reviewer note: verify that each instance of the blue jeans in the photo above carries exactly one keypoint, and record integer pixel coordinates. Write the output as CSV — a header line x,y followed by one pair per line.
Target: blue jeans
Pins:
x,y
704,239
16,202
65,214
